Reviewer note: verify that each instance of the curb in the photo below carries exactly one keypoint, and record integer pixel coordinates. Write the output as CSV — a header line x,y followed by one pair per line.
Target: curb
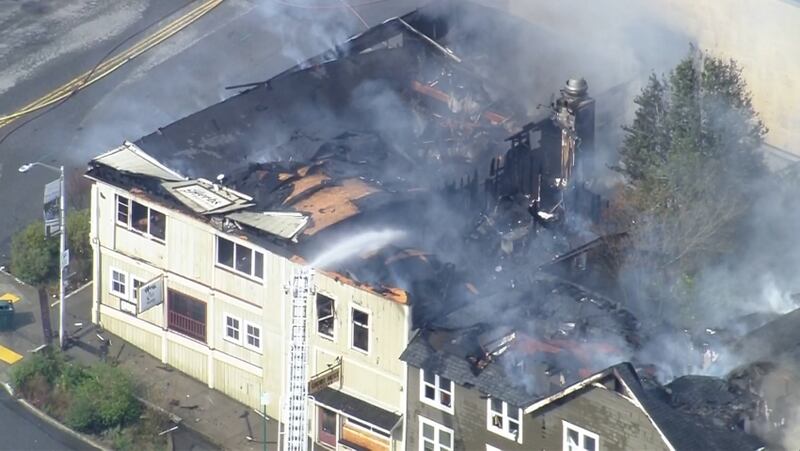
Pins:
x,y
52,421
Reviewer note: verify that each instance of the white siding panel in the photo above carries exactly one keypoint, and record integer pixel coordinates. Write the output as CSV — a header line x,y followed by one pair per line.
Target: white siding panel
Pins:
x,y
187,360
138,246
190,249
237,383
146,341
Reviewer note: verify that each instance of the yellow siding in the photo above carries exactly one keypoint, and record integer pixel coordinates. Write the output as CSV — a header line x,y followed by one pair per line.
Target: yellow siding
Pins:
x,y
187,360
236,285
224,305
138,246
190,249
136,336
379,374
134,270
237,383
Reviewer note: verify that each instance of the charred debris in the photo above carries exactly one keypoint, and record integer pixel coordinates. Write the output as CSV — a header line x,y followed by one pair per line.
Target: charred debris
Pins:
x,y
399,128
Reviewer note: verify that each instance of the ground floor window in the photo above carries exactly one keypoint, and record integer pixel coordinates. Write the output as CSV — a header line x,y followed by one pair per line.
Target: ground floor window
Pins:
x,y
327,427
186,315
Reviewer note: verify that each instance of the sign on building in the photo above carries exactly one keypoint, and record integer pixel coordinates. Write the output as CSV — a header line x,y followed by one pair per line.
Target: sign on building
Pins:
x,y
325,378
52,208
151,294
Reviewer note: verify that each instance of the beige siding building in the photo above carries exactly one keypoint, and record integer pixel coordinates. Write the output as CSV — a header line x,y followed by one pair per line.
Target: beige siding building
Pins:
x,y
224,315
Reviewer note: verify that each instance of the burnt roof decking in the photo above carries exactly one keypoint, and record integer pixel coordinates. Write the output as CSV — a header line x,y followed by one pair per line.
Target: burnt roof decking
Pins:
x,y
360,136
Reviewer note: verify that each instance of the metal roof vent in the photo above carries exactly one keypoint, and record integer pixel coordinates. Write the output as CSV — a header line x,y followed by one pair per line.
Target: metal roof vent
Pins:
x,y
576,87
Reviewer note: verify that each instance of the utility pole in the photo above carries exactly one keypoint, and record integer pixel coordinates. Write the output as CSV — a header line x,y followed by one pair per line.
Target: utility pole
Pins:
x,y
63,256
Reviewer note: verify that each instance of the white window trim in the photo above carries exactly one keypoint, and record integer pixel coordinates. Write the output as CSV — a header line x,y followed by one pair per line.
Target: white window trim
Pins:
x,y
128,225
333,312
492,448
353,330
437,393
565,426
437,427
504,432
233,269
225,336
260,337
122,295
131,296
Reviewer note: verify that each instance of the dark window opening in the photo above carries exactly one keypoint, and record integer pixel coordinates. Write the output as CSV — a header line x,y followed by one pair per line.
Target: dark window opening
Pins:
x,y
361,330
244,259
186,315
158,224
139,216
325,317
327,427
258,268
224,252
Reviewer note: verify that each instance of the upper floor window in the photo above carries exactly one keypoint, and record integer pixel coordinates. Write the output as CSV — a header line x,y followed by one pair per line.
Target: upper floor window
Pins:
x,y
360,326
240,258
434,436
579,439
141,218
436,391
325,319
504,419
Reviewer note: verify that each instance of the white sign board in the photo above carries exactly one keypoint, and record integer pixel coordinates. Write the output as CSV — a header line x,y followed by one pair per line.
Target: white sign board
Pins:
x,y
151,294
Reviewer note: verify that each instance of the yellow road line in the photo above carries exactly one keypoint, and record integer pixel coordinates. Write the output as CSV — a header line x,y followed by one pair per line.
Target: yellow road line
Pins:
x,y
9,356
114,63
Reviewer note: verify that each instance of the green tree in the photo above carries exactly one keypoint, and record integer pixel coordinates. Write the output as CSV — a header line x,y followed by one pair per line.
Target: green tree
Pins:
x,y
34,258
78,241
687,157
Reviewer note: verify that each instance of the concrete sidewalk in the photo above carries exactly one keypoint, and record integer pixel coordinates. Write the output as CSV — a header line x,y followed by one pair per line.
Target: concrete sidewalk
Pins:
x,y
209,419
217,418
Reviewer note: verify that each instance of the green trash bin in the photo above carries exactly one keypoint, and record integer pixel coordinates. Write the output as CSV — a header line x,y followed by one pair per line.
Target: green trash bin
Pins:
x,y
6,315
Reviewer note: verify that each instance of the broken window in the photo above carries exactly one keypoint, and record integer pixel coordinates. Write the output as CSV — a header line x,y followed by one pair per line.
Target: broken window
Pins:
x,y
240,258
504,419
157,224
138,217
141,218
325,317
579,439
437,390
360,330
244,259
224,252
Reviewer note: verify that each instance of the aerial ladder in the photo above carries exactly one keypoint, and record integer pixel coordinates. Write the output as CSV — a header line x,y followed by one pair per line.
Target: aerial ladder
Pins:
x,y
296,390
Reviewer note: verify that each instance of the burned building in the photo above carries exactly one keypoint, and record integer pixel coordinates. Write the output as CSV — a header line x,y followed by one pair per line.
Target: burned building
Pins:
x,y
394,166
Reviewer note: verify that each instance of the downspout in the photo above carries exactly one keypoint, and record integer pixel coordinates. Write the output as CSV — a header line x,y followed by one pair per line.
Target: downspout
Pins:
x,y
95,241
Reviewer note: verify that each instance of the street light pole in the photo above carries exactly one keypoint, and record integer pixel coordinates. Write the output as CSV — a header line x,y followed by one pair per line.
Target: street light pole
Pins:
x,y
62,257
61,263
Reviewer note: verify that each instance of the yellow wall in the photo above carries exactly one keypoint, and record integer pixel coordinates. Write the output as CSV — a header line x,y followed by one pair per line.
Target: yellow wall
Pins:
x,y
188,261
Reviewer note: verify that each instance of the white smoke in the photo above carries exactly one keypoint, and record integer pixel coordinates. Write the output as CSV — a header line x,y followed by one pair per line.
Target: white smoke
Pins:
x,y
365,242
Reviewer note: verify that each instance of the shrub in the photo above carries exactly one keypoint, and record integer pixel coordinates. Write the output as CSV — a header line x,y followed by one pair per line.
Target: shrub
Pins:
x,y
104,399
47,364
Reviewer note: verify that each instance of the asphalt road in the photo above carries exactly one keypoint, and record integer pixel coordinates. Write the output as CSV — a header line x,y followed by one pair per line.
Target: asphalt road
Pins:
x,y
24,431
45,43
